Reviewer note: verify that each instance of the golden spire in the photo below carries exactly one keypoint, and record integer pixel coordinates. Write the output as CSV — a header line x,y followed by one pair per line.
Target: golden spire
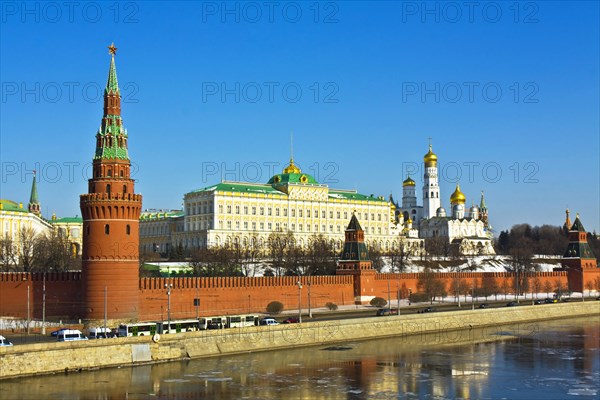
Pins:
x,y
291,169
568,220
112,50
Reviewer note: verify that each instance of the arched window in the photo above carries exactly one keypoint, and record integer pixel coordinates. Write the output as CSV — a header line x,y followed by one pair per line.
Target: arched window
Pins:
x,y
128,229
108,188
124,187
109,172
106,229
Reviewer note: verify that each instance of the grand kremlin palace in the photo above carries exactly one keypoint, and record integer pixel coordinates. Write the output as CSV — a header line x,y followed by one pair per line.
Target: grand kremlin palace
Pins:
x,y
247,213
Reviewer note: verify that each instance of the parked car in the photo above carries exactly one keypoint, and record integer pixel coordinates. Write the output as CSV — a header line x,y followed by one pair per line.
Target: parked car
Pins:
x,y
70,335
512,304
483,305
426,310
387,311
538,301
4,342
268,321
550,301
291,320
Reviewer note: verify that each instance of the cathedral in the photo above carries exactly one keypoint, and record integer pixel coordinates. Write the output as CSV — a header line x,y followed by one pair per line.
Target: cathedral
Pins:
x,y
469,230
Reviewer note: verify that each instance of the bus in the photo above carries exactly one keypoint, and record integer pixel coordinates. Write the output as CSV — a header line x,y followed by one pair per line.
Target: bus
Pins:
x,y
138,329
213,323
150,328
242,321
178,326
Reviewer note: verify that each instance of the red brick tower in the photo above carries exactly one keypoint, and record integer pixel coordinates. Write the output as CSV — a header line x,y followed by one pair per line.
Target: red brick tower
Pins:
x,y
355,261
578,259
111,212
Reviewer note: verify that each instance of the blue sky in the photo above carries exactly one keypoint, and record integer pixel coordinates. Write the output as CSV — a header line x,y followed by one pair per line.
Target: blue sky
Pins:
x,y
508,92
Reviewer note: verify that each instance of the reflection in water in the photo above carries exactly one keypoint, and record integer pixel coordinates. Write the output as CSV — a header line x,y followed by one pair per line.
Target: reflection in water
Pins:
x,y
547,360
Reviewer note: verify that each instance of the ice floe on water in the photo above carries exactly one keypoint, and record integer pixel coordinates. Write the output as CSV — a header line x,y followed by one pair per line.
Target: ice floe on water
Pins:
x,y
583,391
175,380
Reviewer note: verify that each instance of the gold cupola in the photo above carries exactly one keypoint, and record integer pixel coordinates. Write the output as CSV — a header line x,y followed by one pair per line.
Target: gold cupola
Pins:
x,y
430,159
408,182
458,197
292,168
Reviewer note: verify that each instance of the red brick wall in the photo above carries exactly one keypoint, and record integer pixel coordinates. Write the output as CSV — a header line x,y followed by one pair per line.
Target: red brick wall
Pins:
x,y
223,295
63,295
229,295
410,281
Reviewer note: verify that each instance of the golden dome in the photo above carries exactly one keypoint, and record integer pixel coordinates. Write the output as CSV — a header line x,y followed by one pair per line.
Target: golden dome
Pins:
x,y
408,182
430,158
291,169
458,197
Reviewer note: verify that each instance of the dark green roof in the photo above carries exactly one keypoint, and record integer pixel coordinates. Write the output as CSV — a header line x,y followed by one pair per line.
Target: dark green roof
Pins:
x,y
292,178
9,205
354,225
354,251
352,195
579,250
577,225
33,199
240,187
67,220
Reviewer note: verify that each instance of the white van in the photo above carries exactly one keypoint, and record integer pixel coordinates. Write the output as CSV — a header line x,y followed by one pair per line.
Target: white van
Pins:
x,y
100,333
4,342
70,335
268,321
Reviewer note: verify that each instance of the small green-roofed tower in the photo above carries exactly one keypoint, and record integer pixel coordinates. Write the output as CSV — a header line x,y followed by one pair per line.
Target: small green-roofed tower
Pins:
x,y
34,203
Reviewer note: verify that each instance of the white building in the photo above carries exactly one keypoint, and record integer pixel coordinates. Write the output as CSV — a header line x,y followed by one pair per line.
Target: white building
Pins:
x,y
247,213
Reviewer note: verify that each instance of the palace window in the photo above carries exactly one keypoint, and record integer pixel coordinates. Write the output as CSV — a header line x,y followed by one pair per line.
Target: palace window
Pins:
x,y
254,226
237,225
293,212
293,227
262,211
269,211
300,213
106,229
308,213
228,224
338,215
245,224
262,226
220,208
277,212
285,212
245,210
128,229
237,209
345,214
323,214
228,209
269,226
330,214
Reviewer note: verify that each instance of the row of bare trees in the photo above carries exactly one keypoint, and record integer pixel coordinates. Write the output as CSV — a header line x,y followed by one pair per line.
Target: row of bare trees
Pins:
x,y
31,251
434,286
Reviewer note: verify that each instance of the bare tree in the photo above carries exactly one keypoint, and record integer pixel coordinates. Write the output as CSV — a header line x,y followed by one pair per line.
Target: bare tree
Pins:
x,y
431,285
489,286
9,255
27,240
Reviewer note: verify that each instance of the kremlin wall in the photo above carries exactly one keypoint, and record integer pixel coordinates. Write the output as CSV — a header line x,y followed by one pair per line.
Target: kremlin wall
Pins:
x,y
110,260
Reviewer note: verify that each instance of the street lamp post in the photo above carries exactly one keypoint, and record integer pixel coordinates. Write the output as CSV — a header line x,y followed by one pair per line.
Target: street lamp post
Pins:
x,y
309,309
299,302
409,295
168,286
44,306
472,299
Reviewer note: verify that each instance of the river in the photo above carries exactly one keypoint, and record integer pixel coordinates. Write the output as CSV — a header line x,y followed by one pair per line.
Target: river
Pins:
x,y
543,360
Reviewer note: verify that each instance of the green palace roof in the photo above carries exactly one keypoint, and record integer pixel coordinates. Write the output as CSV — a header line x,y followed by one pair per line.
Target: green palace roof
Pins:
x,y
9,205
150,215
300,178
239,187
67,220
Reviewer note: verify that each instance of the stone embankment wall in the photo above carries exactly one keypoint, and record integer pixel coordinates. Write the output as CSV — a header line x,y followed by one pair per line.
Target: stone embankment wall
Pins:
x,y
448,326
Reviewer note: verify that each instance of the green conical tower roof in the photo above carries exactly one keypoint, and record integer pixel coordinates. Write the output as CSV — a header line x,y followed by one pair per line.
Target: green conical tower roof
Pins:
x,y
112,85
34,202
482,202
33,199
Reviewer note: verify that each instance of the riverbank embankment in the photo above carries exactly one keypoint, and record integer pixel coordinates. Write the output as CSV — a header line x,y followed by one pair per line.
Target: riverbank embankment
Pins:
x,y
449,327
